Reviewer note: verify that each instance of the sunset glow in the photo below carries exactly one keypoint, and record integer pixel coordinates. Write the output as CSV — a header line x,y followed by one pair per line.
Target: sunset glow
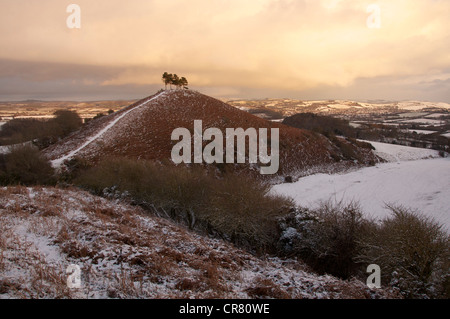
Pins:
x,y
306,49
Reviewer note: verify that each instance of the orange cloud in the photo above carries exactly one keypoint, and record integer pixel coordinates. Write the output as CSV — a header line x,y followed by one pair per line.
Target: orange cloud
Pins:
x,y
279,44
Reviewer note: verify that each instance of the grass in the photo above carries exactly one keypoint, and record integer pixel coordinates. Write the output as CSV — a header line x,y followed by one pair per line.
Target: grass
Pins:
x,y
125,252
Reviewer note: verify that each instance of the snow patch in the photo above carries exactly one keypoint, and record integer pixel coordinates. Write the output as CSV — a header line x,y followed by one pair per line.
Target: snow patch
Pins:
x,y
399,153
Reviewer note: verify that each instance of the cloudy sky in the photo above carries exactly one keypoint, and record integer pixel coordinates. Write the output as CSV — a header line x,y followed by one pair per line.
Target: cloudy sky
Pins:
x,y
306,49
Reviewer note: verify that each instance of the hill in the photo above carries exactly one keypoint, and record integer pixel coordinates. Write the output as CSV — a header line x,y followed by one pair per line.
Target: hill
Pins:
x,y
143,131
124,252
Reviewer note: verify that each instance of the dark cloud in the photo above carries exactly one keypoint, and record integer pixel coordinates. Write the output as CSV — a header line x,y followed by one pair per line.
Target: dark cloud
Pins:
x,y
319,49
21,80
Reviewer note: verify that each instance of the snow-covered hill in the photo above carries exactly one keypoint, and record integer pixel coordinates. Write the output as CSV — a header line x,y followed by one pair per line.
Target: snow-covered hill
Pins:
x,y
414,178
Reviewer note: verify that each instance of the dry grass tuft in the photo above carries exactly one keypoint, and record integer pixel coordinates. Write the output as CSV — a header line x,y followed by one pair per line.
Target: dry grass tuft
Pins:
x,y
264,288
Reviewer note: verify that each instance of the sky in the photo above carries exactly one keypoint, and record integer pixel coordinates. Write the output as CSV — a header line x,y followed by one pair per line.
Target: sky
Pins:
x,y
302,49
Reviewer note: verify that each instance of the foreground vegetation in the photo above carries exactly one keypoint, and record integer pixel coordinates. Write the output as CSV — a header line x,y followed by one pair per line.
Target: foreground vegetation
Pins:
x,y
236,208
336,239
125,252
412,251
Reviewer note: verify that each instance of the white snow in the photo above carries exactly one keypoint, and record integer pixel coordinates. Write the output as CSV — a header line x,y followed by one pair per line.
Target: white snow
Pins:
x,y
7,148
436,115
397,153
424,121
4,149
421,131
418,105
355,125
419,184
412,114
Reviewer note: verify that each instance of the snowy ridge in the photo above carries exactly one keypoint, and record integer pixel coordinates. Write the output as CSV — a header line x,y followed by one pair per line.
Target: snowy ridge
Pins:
x,y
57,162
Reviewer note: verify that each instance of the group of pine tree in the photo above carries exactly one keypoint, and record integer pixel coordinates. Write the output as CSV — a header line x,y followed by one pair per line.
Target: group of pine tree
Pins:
x,y
173,79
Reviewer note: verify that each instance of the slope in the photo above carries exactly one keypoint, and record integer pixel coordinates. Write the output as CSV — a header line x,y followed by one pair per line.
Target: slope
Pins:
x,y
143,131
123,252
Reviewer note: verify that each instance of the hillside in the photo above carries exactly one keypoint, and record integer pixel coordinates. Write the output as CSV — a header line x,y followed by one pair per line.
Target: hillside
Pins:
x,y
289,107
124,252
143,130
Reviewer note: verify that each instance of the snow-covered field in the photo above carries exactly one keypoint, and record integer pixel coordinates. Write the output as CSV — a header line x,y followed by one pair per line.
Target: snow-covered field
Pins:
x,y
7,148
424,121
436,115
419,105
414,178
399,153
421,131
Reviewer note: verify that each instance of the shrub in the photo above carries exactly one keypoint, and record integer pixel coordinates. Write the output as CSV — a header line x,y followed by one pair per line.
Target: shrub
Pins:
x,y
42,133
413,253
67,121
326,125
21,130
237,208
71,169
25,165
328,239
242,208
412,250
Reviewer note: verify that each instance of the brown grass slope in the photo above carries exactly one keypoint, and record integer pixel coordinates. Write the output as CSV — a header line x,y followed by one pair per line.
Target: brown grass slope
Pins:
x,y
145,133
123,252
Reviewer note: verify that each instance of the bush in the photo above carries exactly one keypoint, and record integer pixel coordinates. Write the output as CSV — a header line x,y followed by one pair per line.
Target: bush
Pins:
x,y
71,169
21,130
236,208
42,133
411,250
242,208
26,166
67,121
413,253
323,124
328,239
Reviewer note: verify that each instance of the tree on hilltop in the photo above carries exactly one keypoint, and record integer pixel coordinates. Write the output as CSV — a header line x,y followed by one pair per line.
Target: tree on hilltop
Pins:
x,y
174,79
183,82
167,79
